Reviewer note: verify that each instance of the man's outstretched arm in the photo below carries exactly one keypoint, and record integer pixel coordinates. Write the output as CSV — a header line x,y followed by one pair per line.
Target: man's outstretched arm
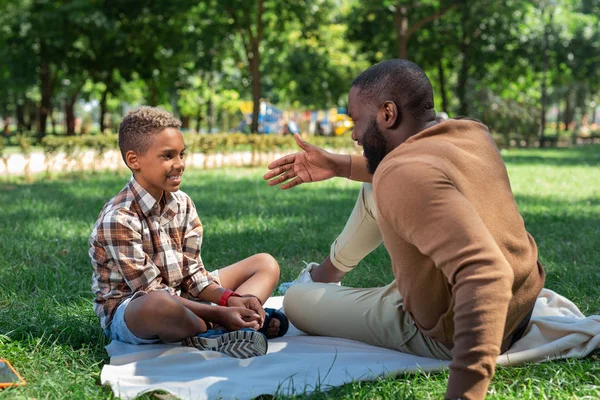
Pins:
x,y
314,164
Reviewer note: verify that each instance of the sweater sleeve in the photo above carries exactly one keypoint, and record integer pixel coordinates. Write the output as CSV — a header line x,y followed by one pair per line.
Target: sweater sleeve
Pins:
x,y
424,208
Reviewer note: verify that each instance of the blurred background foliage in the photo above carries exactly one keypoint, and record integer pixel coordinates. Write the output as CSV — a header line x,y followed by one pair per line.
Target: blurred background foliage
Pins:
x,y
529,69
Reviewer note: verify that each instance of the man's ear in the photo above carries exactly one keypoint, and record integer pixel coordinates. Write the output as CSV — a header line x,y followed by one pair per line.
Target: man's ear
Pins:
x,y
132,160
390,115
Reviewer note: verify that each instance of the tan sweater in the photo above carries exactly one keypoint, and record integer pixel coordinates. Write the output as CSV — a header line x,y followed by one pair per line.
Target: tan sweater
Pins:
x,y
463,261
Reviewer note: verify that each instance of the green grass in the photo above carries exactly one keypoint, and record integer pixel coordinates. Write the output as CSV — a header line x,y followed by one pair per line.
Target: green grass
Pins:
x,y
50,334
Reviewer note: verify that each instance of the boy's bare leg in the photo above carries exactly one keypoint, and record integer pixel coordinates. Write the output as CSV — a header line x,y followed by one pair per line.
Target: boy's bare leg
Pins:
x,y
159,314
256,275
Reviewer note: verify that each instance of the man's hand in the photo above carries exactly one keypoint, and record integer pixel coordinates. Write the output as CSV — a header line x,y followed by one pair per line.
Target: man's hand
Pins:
x,y
313,164
249,302
234,318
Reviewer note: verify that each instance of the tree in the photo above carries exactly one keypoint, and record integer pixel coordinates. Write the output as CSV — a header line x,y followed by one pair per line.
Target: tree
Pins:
x,y
17,71
392,21
46,41
574,48
259,21
315,63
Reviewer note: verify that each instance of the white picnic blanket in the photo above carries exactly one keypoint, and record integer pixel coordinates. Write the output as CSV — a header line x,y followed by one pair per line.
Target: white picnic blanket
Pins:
x,y
297,363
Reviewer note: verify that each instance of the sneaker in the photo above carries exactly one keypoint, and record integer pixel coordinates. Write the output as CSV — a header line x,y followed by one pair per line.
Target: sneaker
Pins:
x,y
243,343
303,277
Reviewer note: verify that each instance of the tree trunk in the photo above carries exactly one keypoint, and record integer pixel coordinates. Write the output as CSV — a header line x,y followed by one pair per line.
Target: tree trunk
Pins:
x,y
103,107
401,25
33,118
255,72
210,105
568,114
442,79
5,129
254,60
20,117
153,95
558,119
404,31
581,98
52,120
185,122
461,90
543,111
544,99
547,27
47,87
70,118
70,113
581,104
199,120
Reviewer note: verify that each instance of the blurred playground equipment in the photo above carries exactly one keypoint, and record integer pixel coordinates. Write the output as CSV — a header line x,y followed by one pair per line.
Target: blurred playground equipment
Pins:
x,y
271,119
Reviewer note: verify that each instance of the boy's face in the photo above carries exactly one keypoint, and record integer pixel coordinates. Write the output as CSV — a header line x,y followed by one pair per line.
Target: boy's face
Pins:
x,y
161,168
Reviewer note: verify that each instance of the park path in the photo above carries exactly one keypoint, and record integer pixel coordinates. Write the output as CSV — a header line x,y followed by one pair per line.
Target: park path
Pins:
x,y
89,160
38,162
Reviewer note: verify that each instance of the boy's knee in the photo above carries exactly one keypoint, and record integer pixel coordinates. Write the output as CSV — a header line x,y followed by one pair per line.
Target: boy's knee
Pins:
x,y
158,306
268,263
161,302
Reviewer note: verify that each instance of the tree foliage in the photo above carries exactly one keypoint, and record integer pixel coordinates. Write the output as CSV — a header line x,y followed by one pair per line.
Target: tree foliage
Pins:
x,y
505,62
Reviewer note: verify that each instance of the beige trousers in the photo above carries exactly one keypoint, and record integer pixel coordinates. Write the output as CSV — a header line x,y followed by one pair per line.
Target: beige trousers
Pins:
x,y
374,316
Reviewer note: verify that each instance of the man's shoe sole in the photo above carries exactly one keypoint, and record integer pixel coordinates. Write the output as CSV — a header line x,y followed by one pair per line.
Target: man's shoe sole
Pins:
x,y
237,344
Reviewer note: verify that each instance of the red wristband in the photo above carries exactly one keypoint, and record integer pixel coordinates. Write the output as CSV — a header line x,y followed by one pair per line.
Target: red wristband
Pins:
x,y
226,295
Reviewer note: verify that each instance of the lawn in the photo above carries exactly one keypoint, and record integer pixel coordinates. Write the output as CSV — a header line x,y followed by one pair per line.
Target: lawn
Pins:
x,y
50,334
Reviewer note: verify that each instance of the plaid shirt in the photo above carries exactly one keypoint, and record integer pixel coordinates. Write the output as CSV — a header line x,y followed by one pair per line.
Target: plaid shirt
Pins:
x,y
134,249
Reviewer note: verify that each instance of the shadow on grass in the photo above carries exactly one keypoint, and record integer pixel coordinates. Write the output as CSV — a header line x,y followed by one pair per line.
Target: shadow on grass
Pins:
x,y
555,222
241,216
566,233
44,264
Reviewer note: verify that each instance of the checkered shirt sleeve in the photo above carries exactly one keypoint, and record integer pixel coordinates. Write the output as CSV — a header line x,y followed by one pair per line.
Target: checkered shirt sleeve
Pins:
x,y
196,277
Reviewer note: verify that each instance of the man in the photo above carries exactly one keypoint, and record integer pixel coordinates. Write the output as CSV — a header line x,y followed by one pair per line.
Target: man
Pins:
x,y
466,270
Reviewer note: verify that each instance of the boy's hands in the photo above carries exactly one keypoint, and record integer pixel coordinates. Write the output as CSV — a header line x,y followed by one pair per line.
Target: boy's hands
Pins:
x,y
234,318
313,164
249,302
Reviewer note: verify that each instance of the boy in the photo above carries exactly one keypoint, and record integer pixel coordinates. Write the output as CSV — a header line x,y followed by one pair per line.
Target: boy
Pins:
x,y
149,280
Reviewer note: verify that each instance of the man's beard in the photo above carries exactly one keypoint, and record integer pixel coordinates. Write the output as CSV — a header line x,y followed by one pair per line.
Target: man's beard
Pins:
x,y
374,146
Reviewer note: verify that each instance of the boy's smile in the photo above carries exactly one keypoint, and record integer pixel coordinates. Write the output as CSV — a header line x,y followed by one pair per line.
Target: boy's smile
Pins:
x,y
161,168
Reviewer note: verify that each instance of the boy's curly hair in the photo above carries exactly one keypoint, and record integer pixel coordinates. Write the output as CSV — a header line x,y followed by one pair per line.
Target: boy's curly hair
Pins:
x,y
139,126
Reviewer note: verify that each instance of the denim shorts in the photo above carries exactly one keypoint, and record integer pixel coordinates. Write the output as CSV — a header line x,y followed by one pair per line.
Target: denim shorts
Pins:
x,y
118,330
